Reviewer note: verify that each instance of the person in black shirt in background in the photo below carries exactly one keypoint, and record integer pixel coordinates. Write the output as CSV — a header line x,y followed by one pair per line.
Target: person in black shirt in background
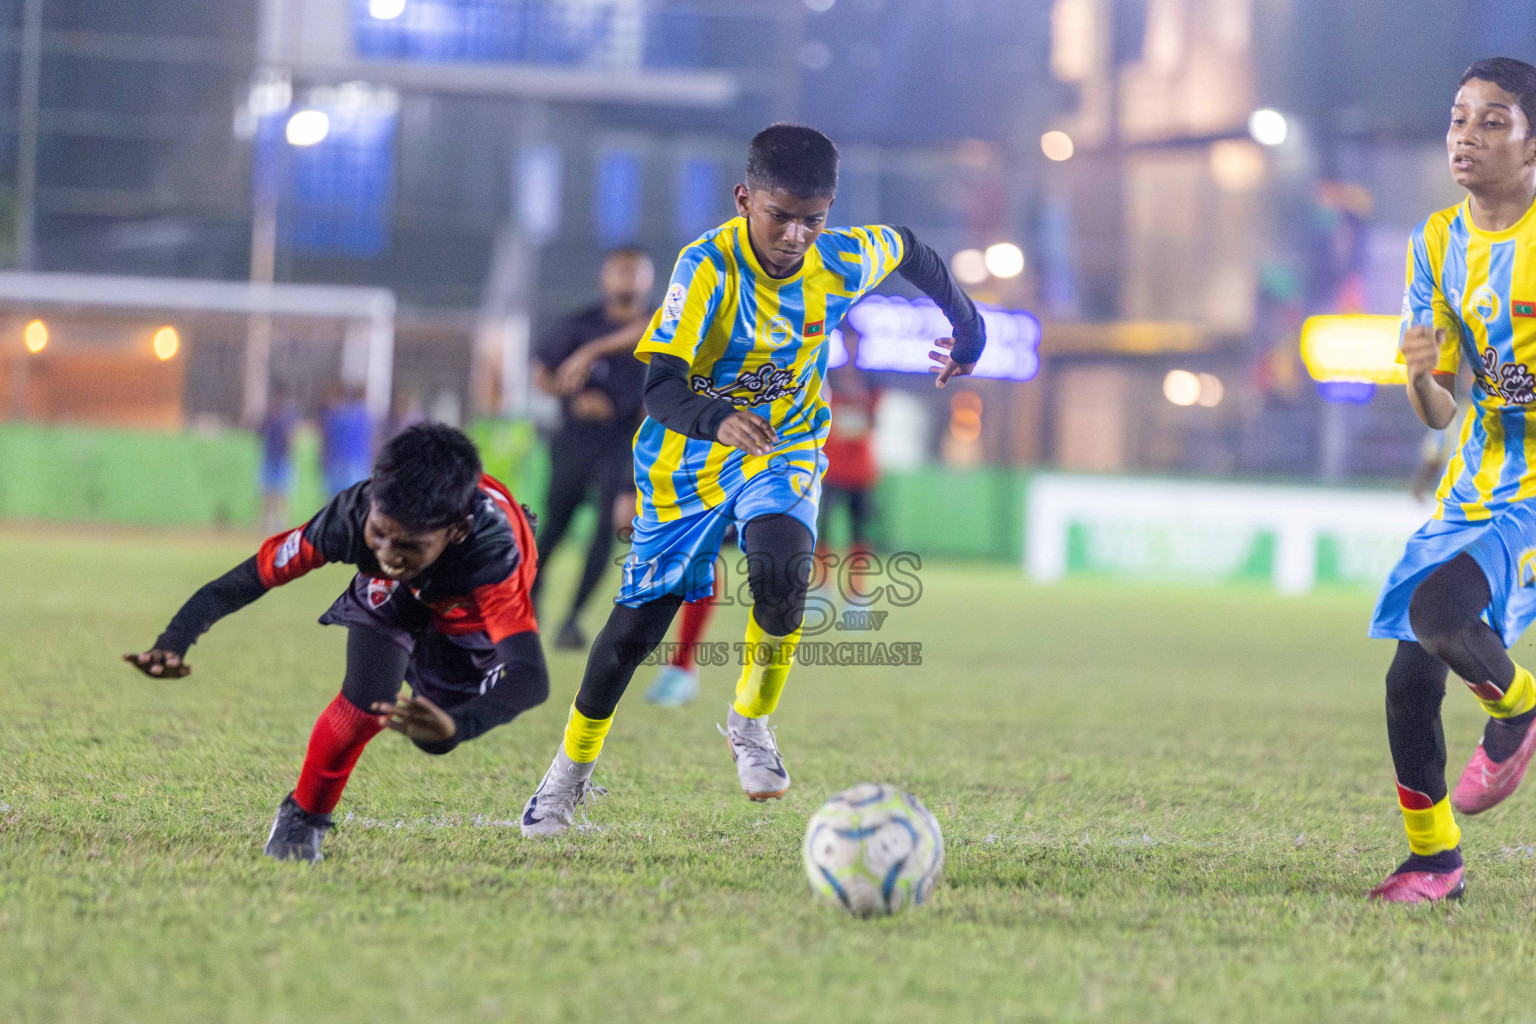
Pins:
x,y
588,362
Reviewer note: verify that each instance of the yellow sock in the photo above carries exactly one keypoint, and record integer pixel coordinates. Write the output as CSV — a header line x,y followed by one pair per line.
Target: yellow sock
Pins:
x,y
1517,700
584,736
767,662
1431,827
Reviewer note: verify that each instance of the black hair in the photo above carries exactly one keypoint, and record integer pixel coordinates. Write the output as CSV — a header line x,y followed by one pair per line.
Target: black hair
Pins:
x,y
426,477
1513,76
794,159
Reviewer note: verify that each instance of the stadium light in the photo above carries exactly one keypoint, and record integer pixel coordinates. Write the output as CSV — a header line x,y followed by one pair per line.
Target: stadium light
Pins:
x,y
1268,127
1004,260
308,127
969,265
1181,387
1357,348
1056,146
385,10
1211,390
1237,165
167,342
36,336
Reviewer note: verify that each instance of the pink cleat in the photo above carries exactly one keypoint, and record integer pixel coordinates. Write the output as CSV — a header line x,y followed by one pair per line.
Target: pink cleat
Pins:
x,y
1421,886
1486,783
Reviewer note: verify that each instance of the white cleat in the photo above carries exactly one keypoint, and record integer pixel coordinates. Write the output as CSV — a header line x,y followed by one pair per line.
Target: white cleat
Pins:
x,y
756,753
552,808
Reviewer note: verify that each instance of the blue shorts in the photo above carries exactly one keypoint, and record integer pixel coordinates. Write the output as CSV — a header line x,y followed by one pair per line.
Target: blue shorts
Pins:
x,y
678,557
1505,548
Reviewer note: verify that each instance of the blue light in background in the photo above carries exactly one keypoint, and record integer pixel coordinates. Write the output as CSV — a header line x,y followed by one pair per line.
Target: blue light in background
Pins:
x,y
617,210
896,334
333,197
696,205
1353,392
523,31
539,192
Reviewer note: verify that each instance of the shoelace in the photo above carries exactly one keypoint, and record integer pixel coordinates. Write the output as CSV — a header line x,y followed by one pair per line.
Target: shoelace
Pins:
x,y
758,747
586,797
586,792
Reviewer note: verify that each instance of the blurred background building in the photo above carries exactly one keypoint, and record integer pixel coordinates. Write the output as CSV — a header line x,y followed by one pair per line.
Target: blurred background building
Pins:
x,y
393,196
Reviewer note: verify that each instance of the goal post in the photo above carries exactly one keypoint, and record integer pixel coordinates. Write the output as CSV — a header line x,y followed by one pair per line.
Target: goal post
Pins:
x,y
360,320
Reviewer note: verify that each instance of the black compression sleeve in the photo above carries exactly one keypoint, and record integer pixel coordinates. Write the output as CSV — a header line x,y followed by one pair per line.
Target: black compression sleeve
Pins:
x,y
927,272
670,401
524,684
229,593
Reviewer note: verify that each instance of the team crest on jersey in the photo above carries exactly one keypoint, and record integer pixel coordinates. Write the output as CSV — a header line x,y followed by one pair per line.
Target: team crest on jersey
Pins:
x,y
289,549
779,332
380,591
1486,304
672,308
1510,381
765,384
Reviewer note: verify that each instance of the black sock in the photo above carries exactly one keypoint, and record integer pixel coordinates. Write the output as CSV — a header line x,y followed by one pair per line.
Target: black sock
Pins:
x,y
1503,736
1440,863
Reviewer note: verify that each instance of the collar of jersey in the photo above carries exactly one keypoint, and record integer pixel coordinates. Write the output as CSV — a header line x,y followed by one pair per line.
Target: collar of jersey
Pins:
x,y
744,243
1495,236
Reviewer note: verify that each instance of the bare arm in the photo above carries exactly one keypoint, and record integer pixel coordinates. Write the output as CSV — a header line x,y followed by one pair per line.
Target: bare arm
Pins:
x,y
572,374
1431,394
544,380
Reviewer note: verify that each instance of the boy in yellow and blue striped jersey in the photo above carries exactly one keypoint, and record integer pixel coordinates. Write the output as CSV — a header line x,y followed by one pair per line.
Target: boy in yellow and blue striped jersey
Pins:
x,y
1466,586
736,416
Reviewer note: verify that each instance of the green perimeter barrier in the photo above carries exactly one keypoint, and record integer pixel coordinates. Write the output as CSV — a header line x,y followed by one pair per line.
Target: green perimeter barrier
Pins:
x,y
89,474
86,474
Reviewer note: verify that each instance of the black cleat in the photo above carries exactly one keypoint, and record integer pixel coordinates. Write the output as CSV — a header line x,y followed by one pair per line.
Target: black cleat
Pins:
x,y
571,638
296,833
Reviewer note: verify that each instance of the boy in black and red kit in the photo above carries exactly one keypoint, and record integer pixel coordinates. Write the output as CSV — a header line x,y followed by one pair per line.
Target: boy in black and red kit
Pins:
x,y
445,557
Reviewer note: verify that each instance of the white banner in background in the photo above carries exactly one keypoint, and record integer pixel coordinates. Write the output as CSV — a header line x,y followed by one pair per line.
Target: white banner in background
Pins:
x,y
1292,537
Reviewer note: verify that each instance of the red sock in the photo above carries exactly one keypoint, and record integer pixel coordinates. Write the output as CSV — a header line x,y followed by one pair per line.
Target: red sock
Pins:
x,y
340,734
695,621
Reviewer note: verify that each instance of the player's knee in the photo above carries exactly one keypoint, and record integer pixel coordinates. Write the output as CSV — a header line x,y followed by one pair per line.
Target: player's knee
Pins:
x,y
779,620
778,593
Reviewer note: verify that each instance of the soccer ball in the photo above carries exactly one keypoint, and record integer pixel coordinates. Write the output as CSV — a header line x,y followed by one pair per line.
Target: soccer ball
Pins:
x,y
873,850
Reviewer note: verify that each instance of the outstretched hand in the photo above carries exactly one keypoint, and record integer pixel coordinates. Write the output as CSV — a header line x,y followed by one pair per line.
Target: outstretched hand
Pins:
x,y
418,718
159,664
945,366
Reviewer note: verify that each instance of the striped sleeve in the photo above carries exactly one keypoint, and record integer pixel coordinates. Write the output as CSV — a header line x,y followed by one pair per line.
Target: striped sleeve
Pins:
x,y
1424,301
881,250
693,297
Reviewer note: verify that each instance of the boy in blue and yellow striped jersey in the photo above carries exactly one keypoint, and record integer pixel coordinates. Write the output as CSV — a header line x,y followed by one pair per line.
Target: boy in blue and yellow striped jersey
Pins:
x,y
1466,587
736,416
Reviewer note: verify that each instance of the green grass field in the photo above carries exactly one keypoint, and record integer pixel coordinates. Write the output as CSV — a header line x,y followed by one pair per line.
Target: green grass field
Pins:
x,y
1159,804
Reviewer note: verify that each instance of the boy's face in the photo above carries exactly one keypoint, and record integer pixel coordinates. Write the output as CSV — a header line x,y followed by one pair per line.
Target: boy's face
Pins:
x,y
783,227
1489,142
402,554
